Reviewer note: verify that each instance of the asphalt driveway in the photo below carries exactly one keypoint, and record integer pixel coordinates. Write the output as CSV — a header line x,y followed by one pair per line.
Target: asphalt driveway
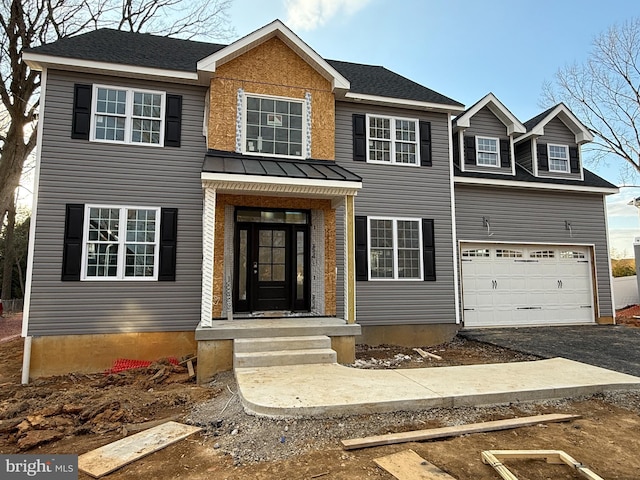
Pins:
x,y
615,347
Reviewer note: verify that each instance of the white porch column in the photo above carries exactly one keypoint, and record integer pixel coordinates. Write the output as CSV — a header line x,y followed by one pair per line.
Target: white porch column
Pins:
x,y
208,244
349,260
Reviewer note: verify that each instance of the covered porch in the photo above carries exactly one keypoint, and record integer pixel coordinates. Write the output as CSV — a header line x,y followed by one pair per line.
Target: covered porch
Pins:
x,y
269,255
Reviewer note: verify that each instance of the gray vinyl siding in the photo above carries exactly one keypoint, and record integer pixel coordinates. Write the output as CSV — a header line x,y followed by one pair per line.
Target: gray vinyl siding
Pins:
x,y
486,124
77,171
558,133
401,191
537,217
523,154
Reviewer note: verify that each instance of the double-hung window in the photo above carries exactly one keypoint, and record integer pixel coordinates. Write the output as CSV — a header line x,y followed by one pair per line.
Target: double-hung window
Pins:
x,y
395,251
558,158
487,151
121,243
125,115
392,140
274,126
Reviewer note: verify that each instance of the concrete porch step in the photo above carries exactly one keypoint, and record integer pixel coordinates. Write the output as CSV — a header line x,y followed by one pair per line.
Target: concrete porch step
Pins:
x,y
271,344
284,357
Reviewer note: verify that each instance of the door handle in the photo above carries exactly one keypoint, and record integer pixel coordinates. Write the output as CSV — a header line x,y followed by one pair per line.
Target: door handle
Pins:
x,y
494,284
255,267
559,283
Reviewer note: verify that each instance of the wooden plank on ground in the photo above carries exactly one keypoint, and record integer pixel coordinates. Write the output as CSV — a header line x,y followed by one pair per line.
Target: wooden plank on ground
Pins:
x,y
104,460
408,465
424,354
434,433
493,457
190,369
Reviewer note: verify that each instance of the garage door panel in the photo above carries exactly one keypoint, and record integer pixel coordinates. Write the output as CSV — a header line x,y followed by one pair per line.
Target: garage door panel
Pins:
x,y
526,285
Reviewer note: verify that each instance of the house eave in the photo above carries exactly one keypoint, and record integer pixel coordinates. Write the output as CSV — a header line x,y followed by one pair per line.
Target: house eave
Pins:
x,y
496,107
400,102
534,185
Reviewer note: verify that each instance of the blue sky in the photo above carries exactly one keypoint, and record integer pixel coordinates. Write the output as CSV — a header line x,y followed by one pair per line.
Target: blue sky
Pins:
x,y
463,49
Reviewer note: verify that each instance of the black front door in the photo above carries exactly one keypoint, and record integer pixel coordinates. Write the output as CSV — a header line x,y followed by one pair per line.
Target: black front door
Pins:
x,y
271,267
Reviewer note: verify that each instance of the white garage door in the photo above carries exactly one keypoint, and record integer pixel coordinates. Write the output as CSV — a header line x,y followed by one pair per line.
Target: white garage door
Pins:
x,y
511,285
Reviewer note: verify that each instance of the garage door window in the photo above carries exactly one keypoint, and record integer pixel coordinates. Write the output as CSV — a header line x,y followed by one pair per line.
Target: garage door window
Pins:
x,y
542,254
500,253
572,255
477,252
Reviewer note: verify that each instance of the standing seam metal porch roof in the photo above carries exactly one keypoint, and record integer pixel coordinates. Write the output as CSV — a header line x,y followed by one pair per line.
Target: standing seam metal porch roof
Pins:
x,y
217,161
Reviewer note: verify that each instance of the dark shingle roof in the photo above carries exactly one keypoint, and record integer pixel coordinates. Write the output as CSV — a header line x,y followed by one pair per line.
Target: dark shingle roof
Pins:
x,y
376,80
522,175
138,49
532,122
217,161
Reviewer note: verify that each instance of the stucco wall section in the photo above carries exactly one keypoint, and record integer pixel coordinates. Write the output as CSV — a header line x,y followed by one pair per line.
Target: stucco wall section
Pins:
x,y
271,68
223,201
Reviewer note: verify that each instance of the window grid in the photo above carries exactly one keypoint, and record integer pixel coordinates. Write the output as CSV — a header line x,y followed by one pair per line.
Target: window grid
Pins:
x,y
128,116
571,254
500,253
477,252
487,152
121,243
558,158
542,254
392,140
274,126
395,251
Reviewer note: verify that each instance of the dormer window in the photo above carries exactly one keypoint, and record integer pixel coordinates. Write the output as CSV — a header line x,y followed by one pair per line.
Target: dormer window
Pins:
x,y
487,151
274,126
558,158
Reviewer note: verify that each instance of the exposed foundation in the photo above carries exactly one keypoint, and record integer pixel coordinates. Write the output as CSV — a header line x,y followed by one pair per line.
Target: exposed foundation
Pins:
x,y
605,320
407,335
60,354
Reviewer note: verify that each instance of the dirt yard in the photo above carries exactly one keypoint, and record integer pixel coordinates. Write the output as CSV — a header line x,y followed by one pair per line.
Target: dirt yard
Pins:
x,y
77,413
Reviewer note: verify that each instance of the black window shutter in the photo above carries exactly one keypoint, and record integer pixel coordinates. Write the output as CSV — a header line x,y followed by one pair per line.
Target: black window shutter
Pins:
x,y
543,159
505,153
173,121
80,124
574,160
362,267
469,150
425,144
168,243
72,249
456,149
428,250
359,138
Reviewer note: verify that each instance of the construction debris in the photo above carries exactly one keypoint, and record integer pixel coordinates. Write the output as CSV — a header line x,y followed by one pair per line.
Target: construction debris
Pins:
x,y
408,465
424,354
435,433
492,457
104,460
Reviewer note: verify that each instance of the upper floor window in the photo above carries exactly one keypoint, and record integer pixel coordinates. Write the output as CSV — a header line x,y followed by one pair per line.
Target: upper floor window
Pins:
x,y
488,151
558,158
392,140
274,126
127,116
121,243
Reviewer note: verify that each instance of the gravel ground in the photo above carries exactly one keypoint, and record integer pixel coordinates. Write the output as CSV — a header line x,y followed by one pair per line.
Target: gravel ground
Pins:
x,y
250,439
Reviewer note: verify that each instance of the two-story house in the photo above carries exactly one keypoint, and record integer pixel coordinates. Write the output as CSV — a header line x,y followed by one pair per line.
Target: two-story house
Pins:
x,y
186,191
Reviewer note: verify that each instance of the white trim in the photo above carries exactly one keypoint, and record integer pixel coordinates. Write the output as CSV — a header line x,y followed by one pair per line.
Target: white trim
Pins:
x,y
566,149
401,102
208,250
394,232
581,132
122,242
534,156
497,152
456,285
275,29
461,155
234,178
541,186
512,149
243,140
128,114
38,61
608,243
34,214
498,109
392,140
516,242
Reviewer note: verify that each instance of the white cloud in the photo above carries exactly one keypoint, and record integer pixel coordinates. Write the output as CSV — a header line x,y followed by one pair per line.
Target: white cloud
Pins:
x,y
311,14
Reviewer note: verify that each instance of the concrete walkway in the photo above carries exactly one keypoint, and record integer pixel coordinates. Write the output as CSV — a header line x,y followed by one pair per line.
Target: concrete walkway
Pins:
x,y
332,389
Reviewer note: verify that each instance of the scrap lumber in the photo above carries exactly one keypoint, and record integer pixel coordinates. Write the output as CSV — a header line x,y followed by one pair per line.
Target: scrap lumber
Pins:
x,y
493,457
424,354
443,432
104,460
192,373
408,465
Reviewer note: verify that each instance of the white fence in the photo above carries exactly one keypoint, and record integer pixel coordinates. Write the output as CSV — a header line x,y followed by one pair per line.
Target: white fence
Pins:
x,y
625,291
